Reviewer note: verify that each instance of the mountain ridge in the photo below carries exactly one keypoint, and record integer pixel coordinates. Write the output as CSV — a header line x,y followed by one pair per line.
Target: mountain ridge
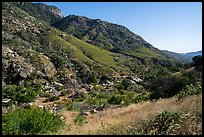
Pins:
x,y
98,32
195,53
46,13
41,44
43,66
183,57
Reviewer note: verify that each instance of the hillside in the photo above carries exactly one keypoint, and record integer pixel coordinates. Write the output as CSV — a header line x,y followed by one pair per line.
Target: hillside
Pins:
x,y
112,37
192,54
48,71
182,57
49,14
34,40
26,35
178,56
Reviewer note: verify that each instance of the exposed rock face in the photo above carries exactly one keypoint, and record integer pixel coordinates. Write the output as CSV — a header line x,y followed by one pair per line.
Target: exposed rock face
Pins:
x,y
14,67
40,11
56,11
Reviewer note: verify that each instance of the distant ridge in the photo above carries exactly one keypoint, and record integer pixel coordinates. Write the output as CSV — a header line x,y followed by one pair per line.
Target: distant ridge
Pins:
x,y
182,57
196,53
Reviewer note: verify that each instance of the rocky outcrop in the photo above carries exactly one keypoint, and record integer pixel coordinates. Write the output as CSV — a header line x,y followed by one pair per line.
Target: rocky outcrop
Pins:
x,y
44,65
40,11
56,11
14,67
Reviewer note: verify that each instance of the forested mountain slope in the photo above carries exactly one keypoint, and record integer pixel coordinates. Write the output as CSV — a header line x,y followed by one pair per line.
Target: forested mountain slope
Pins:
x,y
53,64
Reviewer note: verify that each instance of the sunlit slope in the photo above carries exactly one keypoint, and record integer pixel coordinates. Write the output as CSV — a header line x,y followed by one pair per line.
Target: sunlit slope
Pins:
x,y
87,53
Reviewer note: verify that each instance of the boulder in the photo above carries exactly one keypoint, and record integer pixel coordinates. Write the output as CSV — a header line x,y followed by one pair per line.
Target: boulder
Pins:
x,y
93,111
85,113
23,74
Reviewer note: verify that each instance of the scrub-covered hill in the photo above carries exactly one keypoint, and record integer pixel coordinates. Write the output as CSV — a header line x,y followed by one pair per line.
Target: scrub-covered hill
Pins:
x,y
78,64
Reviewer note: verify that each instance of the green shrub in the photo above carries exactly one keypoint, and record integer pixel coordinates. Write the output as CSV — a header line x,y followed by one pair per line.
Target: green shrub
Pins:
x,y
96,101
80,96
93,78
45,94
140,98
10,103
151,74
191,77
30,122
197,61
115,99
162,123
165,87
20,93
190,90
69,105
80,119
126,83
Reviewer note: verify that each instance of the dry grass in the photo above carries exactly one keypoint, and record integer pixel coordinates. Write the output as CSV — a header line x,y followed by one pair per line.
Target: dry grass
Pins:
x,y
121,116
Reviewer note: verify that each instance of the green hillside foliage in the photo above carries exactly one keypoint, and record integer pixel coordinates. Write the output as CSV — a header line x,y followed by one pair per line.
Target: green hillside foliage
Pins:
x,y
21,94
164,86
39,11
30,122
112,37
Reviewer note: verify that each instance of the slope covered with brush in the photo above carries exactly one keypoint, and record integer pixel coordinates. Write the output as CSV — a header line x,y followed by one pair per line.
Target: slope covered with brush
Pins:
x,y
49,14
112,37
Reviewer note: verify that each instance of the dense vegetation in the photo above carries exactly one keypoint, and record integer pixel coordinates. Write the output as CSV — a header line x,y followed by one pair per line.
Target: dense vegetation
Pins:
x,y
21,94
36,9
30,122
112,37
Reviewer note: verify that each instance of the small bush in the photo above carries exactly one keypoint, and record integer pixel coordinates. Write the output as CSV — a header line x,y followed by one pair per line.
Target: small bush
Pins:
x,y
69,105
30,122
20,93
93,78
162,123
165,87
115,99
80,96
197,61
140,98
80,119
190,90
126,83
45,94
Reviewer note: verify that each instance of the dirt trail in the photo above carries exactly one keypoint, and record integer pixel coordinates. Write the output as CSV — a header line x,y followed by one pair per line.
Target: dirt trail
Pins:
x,y
179,73
122,115
40,101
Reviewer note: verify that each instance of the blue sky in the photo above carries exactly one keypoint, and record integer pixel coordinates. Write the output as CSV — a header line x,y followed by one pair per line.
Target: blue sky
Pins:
x,y
173,26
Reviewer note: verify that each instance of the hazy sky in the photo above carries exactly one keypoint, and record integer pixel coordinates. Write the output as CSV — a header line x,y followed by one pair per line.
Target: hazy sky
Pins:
x,y
173,26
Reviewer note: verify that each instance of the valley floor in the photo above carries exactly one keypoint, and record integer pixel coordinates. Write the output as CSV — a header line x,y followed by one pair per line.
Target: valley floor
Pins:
x,y
123,115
